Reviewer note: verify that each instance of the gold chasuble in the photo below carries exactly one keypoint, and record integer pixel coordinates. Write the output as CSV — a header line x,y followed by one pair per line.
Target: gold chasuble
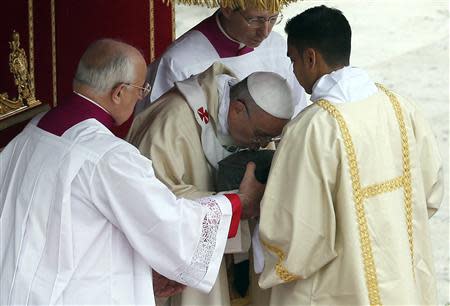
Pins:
x,y
351,226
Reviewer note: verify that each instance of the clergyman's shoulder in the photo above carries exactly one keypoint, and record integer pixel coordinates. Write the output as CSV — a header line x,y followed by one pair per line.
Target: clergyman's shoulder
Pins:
x,y
191,40
170,107
309,118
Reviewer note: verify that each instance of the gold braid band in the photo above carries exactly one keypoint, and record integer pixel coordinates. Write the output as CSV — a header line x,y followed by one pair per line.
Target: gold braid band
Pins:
x,y
358,198
280,270
360,194
406,178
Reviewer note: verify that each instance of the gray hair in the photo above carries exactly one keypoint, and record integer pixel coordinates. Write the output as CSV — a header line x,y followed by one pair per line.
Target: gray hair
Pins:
x,y
240,91
104,64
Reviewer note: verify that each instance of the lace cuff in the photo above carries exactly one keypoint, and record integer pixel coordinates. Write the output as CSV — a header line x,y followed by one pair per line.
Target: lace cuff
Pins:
x,y
209,251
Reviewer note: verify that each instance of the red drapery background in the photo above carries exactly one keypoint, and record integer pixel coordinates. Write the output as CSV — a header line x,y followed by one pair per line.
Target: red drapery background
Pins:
x,y
61,30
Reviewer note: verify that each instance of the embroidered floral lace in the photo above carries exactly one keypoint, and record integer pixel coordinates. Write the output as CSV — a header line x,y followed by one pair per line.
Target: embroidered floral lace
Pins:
x,y
199,266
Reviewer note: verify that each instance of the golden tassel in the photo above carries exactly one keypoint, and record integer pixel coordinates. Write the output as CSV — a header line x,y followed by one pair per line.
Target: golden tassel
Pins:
x,y
267,5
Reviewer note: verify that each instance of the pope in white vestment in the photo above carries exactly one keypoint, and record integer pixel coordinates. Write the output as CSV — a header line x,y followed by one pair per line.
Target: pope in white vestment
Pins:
x,y
84,220
207,43
345,222
185,132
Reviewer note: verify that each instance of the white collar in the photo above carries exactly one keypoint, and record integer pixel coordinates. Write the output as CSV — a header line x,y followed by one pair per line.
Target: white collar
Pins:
x,y
241,45
224,82
92,101
348,84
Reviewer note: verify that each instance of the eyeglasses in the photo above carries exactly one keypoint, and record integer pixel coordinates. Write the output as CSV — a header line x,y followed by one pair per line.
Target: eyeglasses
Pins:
x,y
144,91
259,21
261,140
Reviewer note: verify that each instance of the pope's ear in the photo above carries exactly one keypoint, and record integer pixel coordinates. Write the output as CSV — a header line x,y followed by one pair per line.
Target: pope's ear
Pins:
x,y
117,92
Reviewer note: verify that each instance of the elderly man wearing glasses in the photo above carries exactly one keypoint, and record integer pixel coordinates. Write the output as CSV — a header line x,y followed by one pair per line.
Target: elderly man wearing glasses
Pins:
x,y
239,34
83,218
192,127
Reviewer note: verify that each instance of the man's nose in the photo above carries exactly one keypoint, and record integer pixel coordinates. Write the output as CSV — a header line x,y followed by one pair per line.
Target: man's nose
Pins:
x,y
265,29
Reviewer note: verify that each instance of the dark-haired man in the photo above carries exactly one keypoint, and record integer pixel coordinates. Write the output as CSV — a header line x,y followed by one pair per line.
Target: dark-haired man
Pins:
x,y
353,228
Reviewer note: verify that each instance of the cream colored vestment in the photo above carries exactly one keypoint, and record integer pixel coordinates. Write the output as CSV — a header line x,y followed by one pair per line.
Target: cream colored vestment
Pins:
x,y
344,218
169,132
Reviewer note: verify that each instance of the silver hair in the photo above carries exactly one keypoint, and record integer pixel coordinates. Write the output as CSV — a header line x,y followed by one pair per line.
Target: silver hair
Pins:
x,y
105,65
240,91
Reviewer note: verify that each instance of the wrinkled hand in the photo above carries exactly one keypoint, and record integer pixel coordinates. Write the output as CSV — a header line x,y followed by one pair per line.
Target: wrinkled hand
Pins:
x,y
164,287
251,192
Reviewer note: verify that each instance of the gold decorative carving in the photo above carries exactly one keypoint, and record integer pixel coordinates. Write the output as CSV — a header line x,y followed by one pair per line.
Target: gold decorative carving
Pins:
x,y
18,66
31,40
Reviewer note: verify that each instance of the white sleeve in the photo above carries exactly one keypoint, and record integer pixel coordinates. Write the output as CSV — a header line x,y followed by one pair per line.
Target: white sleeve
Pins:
x,y
181,239
164,73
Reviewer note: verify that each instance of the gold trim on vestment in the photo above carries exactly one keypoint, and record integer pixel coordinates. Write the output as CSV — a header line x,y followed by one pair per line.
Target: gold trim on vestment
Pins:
x,y
386,186
280,269
358,197
360,194
407,186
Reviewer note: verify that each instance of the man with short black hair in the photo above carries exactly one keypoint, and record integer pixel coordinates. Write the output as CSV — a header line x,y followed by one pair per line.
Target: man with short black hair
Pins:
x,y
367,175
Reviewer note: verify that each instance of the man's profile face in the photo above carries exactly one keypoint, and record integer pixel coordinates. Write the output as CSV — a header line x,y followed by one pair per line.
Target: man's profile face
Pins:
x,y
132,94
299,68
244,29
252,127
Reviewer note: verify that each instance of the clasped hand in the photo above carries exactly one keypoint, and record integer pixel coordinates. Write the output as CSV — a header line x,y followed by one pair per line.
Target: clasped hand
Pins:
x,y
251,192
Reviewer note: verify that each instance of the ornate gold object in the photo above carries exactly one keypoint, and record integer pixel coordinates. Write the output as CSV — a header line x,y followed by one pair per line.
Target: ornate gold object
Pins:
x,y
18,66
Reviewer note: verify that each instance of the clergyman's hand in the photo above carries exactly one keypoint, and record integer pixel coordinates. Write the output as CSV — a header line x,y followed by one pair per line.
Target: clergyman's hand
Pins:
x,y
250,192
164,287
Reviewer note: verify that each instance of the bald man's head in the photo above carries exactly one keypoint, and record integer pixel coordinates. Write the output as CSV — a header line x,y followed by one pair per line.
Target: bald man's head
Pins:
x,y
106,63
112,74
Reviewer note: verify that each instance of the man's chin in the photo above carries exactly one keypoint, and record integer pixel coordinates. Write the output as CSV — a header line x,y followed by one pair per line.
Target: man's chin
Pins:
x,y
254,43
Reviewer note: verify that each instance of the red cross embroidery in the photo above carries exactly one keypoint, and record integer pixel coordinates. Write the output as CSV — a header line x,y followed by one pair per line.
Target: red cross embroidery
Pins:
x,y
203,113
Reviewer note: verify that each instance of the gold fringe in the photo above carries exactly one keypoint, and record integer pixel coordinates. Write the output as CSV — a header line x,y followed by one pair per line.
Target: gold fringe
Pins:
x,y
268,5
